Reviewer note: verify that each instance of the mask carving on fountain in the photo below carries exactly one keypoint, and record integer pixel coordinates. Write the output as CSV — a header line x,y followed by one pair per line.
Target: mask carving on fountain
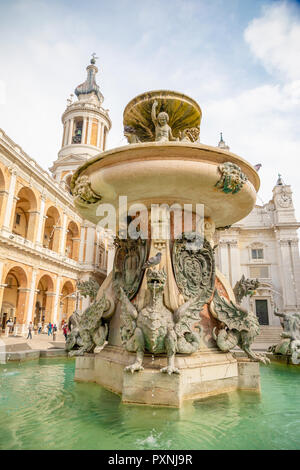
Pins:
x,y
82,191
232,178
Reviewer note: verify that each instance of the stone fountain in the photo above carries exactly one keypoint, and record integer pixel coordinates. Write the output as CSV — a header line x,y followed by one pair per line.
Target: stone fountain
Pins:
x,y
165,317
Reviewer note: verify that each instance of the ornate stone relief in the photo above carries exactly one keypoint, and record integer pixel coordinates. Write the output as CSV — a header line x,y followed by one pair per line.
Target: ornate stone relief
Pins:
x,y
83,192
129,259
194,267
232,178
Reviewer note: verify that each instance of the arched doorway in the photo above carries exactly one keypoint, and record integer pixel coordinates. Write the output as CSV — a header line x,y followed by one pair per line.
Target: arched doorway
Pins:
x,y
72,241
44,300
14,297
67,301
52,229
25,214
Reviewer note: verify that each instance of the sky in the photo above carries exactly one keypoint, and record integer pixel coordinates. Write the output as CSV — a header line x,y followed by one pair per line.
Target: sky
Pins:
x,y
239,59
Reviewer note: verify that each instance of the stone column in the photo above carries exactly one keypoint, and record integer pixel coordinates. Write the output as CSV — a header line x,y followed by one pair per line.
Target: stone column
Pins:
x,y
9,213
102,136
83,130
90,245
56,300
29,315
98,134
70,131
63,235
296,270
41,221
89,132
49,306
82,243
22,306
2,285
285,269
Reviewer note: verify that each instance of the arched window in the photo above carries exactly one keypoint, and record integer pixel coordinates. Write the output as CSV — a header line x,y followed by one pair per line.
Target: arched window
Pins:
x,y
25,215
72,241
52,229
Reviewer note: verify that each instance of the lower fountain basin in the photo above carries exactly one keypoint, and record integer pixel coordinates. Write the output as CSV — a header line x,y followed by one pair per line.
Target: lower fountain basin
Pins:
x,y
201,374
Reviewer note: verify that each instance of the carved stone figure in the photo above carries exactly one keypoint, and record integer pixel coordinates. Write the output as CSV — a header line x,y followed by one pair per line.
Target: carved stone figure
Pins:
x,y
90,330
194,267
73,339
130,258
131,136
190,135
163,132
83,192
155,329
237,328
88,288
290,343
232,178
245,287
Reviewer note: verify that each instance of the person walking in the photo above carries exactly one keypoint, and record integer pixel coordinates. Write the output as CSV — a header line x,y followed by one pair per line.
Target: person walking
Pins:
x,y
30,328
49,328
39,327
65,331
54,332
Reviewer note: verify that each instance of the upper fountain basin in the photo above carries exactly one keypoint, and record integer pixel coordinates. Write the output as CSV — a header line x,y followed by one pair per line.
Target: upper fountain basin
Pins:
x,y
169,172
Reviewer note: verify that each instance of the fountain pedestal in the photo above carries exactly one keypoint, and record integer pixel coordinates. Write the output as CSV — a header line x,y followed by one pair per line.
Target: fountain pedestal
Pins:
x,y
202,374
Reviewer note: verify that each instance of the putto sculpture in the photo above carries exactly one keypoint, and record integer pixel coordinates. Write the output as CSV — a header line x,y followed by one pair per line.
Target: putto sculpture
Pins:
x,y
163,131
290,344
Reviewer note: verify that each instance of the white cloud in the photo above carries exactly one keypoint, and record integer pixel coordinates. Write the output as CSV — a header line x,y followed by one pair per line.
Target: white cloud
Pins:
x,y
274,39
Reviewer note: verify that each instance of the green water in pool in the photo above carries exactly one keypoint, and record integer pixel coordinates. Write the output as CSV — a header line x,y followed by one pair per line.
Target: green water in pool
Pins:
x,y
41,407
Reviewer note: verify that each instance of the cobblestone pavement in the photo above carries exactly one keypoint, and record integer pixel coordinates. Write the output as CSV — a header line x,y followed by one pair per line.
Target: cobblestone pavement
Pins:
x,y
38,341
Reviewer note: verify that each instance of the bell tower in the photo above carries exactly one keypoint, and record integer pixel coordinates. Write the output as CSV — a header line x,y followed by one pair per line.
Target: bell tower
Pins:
x,y
85,126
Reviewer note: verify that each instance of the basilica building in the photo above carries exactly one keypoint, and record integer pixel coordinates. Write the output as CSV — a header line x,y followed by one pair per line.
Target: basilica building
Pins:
x,y
45,245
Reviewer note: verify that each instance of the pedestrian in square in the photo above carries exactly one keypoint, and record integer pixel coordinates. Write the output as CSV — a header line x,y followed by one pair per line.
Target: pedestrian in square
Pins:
x,y
30,328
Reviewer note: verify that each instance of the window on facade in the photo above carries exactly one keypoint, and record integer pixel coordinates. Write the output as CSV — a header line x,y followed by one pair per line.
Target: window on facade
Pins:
x,y
260,272
18,218
257,253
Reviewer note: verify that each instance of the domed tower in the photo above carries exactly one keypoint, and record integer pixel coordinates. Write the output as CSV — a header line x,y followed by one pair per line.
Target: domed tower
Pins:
x,y
85,127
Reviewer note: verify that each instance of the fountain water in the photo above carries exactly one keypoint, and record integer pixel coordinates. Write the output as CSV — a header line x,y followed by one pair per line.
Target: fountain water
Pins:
x,y
180,309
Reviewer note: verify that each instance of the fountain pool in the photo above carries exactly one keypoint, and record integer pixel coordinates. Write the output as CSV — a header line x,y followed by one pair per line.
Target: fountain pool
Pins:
x,y
41,407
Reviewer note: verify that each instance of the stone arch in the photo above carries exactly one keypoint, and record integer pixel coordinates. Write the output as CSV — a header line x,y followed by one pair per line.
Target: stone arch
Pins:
x,y
44,299
52,229
67,300
72,240
14,296
25,214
